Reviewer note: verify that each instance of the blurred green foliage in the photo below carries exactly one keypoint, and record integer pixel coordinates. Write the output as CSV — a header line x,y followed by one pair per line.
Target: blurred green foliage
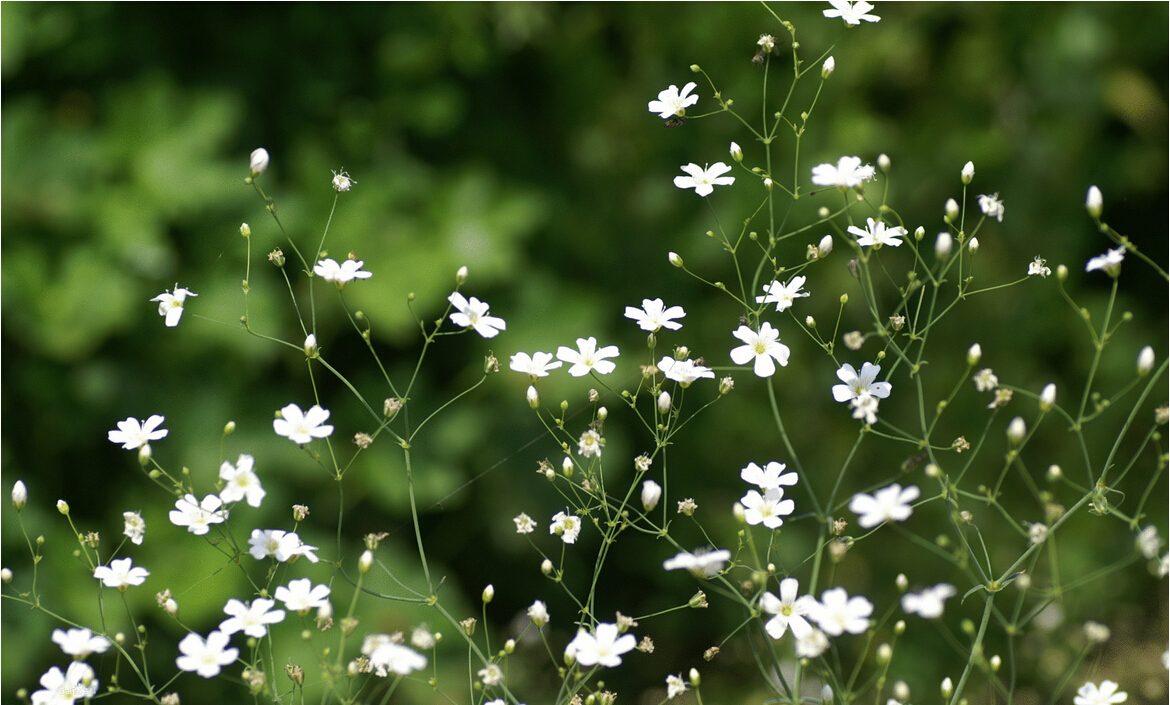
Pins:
x,y
514,138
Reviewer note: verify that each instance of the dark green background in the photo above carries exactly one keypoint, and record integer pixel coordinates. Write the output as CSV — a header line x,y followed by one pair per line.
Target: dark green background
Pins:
x,y
514,138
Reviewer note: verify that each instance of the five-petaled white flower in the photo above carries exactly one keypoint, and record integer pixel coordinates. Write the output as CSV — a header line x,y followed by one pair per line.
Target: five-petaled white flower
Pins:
x,y
1036,266
566,526
1107,694
848,173
587,357
771,477
852,12
985,380
170,305
474,314
605,646
198,516
121,574
537,365
865,407
524,524
684,371
675,686
654,315
281,545
704,180
791,611
991,206
240,481
80,642
1110,262
133,435
701,563
387,656
134,527
341,274
301,595
783,295
888,504
253,619
78,682
491,674
767,508
764,346
206,657
837,613
590,444
302,427
672,102
876,234
860,384
929,603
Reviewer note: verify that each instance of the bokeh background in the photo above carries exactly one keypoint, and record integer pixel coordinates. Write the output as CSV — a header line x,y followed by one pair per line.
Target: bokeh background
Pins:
x,y
514,138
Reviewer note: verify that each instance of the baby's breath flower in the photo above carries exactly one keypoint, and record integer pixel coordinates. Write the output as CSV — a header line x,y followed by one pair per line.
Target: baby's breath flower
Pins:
x,y
704,179
847,174
852,12
590,444
134,527
687,507
1037,267
853,340
524,524
889,504
566,526
991,206
672,102
985,380
1096,632
1037,533
342,182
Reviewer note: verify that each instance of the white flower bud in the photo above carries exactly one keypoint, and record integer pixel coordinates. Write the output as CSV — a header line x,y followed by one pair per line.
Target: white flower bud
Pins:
x,y
901,691
738,512
1016,430
885,652
651,493
1145,361
1048,397
827,694
258,162
366,561
245,230
995,662
973,354
968,172
546,567
973,245
1054,473
883,163
19,495
947,688
675,259
311,346
952,210
171,607
942,245
827,68
664,403
461,276
533,397
825,246
5,575
902,582
1094,202
602,413
489,593
736,152
63,507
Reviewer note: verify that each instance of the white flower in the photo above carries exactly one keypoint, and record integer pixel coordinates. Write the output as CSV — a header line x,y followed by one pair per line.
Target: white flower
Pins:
x,y
538,613
422,638
80,642
766,508
590,444
672,102
1110,263
764,346
1094,202
1107,694
837,613
889,504
783,295
985,380
929,603
876,234
860,384
812,646
604,647
387,656
170,306
587,357
302,427
205,657
474,314
252,620
1149,543
537,365
524,524
865,407
491,675
1037,533
240,482
700,563
258,161
301,596
847,174
133,435
771,477
685,372
198,516
675,686
281,545
341,274
991,206
852,12
120,574
342,182
790,611
566,526
134,527
1036,266
704,180
77,683
654,315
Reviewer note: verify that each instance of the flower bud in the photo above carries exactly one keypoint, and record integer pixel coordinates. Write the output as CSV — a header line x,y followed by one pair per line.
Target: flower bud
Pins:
x,y
995,662
738,512
602,413
1048,398
885,652
973,354
675,259
726,385
947,688
664,403
825,246
883,162
567,466
63,507
968,172
171,607
902,582
827,68
533,397
19,495
461,276
651,493
546,566
827,695
900,627
919,233
942,245
973,245
366,561
489,593
694,677
1093,202
1145,361
258,161
901,692
245,230
736,152
951,209
5,575
1016,430
311,346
